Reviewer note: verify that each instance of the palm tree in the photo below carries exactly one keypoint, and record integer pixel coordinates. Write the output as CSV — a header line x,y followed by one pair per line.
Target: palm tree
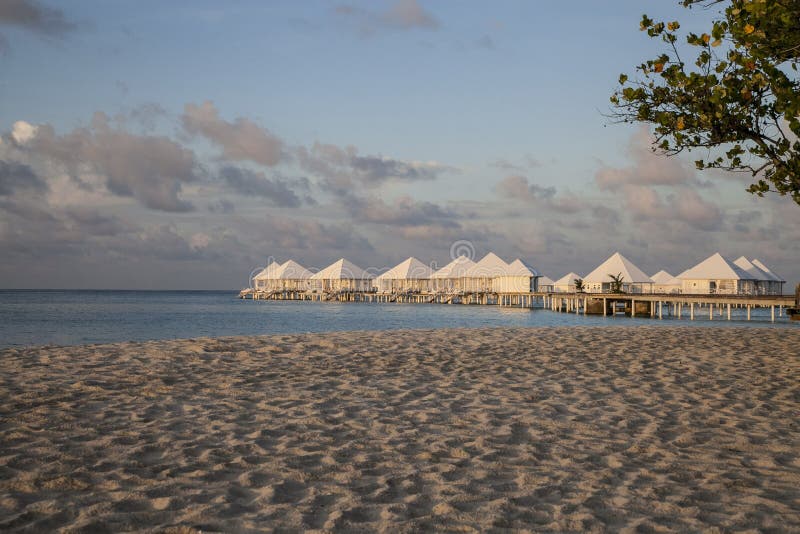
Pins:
x,y
616,283
579,285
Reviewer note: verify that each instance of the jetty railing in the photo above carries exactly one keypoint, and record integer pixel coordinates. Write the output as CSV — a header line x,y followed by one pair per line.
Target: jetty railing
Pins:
x,y
654,305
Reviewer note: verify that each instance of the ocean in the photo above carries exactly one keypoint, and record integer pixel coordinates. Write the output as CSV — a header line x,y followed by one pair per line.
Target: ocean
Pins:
x,y
77,317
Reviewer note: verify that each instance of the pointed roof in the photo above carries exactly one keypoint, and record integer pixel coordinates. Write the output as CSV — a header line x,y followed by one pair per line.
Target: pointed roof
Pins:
x,y
715,267
774,277
663,278
489,266
454,269
342,270
751,269
266,273
412,268
291,270
617,263
520,268
566,280
546,281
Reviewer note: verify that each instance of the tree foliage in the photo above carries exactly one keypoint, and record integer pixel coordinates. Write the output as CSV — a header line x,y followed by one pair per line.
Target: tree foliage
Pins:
x,y
579,285
616,282
737,99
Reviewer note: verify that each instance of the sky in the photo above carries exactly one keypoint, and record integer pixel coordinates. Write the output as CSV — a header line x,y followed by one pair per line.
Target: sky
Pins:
x,y
181,145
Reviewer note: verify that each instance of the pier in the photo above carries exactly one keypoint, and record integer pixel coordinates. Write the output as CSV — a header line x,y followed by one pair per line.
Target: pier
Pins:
x,y
653,305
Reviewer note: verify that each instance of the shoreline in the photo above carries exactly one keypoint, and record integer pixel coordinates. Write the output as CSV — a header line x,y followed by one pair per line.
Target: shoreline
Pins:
x,y
541,428
659,324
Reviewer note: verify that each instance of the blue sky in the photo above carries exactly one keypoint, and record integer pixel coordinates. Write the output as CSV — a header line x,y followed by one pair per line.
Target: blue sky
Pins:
x,y
467,120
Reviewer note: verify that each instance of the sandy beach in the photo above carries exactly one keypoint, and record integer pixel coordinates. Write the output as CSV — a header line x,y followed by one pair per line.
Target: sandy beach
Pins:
x,y
646,429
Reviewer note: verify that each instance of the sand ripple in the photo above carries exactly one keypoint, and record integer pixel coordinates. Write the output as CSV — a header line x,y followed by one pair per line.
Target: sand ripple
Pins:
x,y
558,429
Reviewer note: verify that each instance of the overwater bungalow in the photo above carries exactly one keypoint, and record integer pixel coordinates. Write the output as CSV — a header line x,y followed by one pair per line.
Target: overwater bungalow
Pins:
x,y
663,282
291,276
766,282
545,284
479,278
261,280
775,282
410,275
717,275
566,284
518,278
342,275
450,278
634,280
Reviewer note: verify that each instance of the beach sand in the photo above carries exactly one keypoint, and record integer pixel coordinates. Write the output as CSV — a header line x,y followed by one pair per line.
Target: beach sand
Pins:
x,y
551,429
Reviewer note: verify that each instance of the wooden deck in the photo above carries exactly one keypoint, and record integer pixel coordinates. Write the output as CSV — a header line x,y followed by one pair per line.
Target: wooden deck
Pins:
x,y
630,304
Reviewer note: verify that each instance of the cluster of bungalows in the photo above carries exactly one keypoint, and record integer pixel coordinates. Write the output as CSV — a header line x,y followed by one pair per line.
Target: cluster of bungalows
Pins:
x,y
491,274
714,275
462,275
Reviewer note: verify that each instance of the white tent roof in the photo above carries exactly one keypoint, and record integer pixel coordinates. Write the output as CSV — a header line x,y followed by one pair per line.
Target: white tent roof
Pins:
x,y
342,270
266,273
520,268
616,264
774,277
454,269
715,267
291,270
665,279
751,269
546,281
412,268
488,267
566,280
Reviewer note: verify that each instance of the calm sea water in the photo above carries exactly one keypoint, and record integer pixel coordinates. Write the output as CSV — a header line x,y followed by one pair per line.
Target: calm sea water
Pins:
x,y
80,317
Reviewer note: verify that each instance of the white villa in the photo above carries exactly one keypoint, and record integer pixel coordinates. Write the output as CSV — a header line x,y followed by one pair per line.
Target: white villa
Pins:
x,y
633,279
480,277
775,284
518,278
566,284
342,275
410,275
546,284
663,282
261,280
765,281
451,277
290,276
717,275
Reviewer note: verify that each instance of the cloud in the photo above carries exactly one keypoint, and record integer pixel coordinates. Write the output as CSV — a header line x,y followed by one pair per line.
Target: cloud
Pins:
x,y
517,187
33,16
22,132
406,14
402,212
695,210
684,204
401,15
239,140
340,167
151,169
252,183
485,42
291,234
646,168
16,176
223,206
